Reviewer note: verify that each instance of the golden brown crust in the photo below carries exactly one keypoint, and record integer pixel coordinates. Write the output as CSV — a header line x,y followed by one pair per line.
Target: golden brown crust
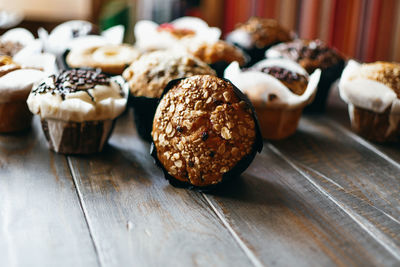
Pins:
x,y
218,51
384,72
148,75
265,32
9,48
202,130
111,59
7,65
177,33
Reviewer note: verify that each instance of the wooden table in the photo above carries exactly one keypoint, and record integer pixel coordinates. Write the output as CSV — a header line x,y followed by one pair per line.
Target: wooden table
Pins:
x,y
323,197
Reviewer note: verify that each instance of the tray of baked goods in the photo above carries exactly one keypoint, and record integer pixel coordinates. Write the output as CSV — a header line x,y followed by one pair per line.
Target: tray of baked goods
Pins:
x,y
185,148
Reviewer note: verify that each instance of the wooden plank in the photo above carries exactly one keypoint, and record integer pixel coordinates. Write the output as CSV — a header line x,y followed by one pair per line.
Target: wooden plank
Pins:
x,y
336,157
41,221
289,220
138,219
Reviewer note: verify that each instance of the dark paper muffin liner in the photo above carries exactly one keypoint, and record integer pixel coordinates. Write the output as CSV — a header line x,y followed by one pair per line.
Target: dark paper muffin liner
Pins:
x,y
240,167
144,109
373,126
14,116
219,67
328,77
77,137
254,54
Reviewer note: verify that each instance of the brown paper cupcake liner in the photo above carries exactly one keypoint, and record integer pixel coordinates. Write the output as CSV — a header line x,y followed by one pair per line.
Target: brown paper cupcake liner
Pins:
x,y
374,126
14,116
77,137
278,123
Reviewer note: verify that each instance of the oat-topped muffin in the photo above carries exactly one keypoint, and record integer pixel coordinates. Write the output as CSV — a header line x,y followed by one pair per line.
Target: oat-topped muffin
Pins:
x,y
7,65
312,55
78,109
257,35
204,131
373,94
279,90
218,54
148,76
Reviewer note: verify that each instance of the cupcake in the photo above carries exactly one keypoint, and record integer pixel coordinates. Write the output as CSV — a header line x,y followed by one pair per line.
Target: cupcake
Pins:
x,y
312,55
15,85
204,132
151,36
218,55
279,90
148,76
10,48
78,109
111,59
372,92
257,35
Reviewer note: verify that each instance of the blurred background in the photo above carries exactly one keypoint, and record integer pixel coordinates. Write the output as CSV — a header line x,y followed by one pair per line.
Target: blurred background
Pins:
x,y
367,30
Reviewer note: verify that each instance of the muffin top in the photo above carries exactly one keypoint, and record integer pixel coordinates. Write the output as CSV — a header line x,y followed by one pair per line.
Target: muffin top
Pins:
x,y
275,83
310,54
262,32
105,56
202,129
383,72
373,86
148,75
9,48
296,82
79,95
176,32
217,51
7,65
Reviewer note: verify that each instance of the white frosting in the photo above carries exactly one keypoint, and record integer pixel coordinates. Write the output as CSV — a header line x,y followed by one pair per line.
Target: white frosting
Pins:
x,y
78,106
19,35
18,83
61,38
368,94
149,38
258,85
241,37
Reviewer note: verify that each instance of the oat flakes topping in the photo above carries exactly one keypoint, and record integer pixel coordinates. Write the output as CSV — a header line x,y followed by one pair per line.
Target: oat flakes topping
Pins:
x,y
208,136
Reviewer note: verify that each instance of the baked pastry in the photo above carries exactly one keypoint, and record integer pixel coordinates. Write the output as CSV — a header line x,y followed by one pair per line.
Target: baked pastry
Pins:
x,y
312,55
372,92
204,132
9,48
257,35
15,85
111,59
218,54
279,90
148,76
180,32
78,109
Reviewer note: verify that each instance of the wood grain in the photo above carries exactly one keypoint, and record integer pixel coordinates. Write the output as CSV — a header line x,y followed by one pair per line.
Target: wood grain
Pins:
x,y
138,219
41,221
287,220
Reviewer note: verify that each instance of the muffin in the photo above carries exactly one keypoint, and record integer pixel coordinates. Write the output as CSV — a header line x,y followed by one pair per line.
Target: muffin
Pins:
x,y
9,48
312,55
218,55
257,35
111,59
148,76
372,92
181,32
279,90
15,85
204,132
78,109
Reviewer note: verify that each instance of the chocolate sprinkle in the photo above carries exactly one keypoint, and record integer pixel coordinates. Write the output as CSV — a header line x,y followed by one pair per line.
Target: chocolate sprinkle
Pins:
x,y
71,81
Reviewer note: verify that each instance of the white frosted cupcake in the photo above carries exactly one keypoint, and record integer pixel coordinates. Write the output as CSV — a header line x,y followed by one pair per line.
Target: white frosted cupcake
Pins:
x,y
279,90
372,92
15,85
78,109
151,36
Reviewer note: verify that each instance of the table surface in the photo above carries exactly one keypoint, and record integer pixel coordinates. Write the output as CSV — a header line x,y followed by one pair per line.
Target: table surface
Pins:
x,y
323,197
